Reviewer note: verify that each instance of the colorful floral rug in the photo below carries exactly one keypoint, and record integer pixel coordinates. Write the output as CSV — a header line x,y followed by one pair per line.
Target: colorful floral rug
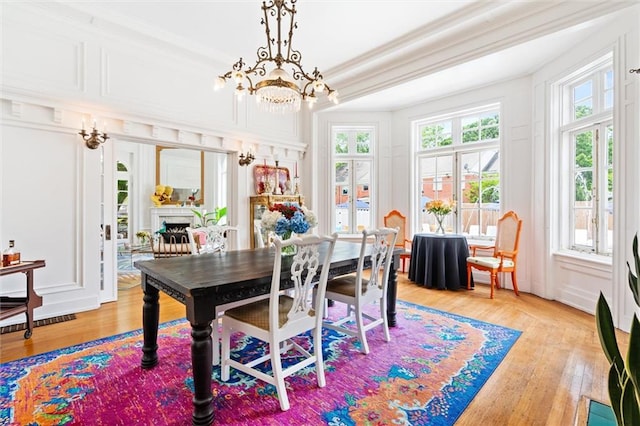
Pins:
x,y
433,367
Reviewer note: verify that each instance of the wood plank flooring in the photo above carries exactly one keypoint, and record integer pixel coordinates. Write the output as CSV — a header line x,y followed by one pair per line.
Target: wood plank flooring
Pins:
x,y
556,360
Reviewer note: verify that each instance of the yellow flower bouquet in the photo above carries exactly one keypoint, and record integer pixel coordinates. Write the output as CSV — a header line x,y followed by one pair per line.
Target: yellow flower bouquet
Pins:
x,y
440,208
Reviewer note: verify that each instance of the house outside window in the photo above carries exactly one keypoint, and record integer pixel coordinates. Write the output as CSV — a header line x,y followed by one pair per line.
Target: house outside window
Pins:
x,y
587,143
353,153
458,159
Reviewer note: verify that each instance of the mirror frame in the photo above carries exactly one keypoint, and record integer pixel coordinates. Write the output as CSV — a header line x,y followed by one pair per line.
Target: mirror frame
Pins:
x,y
200,200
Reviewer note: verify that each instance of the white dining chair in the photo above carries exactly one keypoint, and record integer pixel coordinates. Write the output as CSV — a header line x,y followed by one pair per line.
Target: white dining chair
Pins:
x,y
356,291
282,317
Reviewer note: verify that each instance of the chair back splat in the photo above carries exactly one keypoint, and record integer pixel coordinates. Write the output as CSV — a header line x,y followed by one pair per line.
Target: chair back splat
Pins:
x,y
283,316
210,239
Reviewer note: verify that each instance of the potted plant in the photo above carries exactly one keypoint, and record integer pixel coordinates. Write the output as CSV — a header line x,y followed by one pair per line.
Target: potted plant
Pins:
x,y
624,374
210,218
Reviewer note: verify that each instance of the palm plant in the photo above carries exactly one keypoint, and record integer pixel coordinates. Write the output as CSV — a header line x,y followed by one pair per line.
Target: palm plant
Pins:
x,y
624,377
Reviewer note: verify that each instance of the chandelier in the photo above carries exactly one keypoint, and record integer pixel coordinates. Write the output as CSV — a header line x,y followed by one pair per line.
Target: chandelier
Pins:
x,y
278,91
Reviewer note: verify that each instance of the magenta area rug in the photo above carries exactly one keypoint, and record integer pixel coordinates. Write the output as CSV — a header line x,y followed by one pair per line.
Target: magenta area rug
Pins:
x,y
433,367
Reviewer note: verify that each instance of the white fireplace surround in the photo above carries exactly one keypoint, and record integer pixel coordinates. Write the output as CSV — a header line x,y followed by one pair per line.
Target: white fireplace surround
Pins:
x,y
171,214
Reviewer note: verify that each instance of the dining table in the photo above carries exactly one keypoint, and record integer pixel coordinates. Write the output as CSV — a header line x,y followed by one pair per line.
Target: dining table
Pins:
x,y
439,261
202,282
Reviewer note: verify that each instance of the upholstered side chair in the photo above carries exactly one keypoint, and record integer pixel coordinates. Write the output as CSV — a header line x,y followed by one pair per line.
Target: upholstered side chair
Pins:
x,y
395,219
504,253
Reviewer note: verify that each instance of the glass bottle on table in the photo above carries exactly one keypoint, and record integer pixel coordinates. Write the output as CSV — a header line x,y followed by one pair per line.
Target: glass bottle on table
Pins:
x,y
11,255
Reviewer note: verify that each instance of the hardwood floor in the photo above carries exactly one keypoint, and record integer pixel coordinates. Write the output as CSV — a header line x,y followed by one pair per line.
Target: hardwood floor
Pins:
x,y
555,361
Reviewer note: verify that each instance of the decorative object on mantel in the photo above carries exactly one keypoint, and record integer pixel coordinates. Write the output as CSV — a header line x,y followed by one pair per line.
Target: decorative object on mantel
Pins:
x,y
93,139
279,91
270,179
245,160
162,195
440,210
624,383
285,219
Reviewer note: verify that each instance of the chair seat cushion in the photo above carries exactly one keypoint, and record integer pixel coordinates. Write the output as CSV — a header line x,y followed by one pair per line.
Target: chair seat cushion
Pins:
x,y
345,285
257,313
490,262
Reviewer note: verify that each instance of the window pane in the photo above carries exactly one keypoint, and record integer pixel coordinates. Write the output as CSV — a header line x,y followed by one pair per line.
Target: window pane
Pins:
x,y
435,135
363,185
363,143
342,143
608,89
480,207
342,196
583,195
583,228
480,128
437,184
584,149
583,100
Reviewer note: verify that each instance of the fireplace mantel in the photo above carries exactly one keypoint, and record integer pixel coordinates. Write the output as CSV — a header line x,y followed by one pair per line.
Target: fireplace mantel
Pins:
x,y
171,214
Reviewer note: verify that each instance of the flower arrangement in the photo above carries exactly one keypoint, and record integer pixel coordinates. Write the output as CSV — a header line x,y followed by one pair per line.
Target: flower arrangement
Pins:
x,y
143,236
440,208
287,218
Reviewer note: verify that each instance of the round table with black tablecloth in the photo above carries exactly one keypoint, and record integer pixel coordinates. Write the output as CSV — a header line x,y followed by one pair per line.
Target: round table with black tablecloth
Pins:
x,y
439,261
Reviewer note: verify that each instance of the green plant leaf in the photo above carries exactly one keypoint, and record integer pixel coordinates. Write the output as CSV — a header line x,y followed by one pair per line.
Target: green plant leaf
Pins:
x,y
607,333
615,393
633,356
630,413
633,279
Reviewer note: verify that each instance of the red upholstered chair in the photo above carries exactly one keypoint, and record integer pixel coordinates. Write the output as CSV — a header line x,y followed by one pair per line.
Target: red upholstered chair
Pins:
x,y
505,252
395,219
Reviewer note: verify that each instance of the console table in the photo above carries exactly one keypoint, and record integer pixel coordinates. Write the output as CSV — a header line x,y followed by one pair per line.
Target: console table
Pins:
x,y
10,306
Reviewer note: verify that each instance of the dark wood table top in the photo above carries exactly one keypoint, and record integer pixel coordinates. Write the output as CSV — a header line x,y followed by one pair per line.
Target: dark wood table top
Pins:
x,y
231,276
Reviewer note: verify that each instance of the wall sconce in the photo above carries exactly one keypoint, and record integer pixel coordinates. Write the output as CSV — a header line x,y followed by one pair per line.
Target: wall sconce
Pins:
x,y
93,139
246,160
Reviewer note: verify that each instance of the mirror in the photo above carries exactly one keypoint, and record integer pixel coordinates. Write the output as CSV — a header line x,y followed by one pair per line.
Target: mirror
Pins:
x,y
183,170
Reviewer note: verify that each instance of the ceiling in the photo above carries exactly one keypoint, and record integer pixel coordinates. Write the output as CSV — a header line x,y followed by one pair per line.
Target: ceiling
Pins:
x,y
379,55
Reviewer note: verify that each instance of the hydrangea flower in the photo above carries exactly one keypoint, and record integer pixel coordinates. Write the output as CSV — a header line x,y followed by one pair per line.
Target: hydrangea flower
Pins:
x,y
286,218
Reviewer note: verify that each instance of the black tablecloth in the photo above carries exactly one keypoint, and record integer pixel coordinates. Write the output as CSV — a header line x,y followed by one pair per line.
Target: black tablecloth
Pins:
x,y
439,261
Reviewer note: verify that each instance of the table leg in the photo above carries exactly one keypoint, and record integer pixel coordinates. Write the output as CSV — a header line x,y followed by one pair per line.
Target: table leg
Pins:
x,y
392,291
150,319
33,301
201,361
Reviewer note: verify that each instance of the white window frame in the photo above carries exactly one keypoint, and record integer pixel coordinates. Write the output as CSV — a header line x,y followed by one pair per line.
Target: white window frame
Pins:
x,y
456,150
352,157
601,243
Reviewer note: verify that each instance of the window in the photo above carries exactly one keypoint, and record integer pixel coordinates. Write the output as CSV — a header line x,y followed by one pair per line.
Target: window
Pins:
x,y
587,142
458,159
352,177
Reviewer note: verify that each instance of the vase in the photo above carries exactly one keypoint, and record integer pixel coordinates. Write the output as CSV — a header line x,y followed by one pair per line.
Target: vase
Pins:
x,y
440,228
288,250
